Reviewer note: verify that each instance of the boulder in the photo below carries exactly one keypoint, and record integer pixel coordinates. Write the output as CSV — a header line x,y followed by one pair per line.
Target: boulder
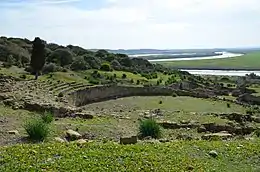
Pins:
x,y
58,139
128,140
215,136
201,129
14,132
81,141
213,153
72,135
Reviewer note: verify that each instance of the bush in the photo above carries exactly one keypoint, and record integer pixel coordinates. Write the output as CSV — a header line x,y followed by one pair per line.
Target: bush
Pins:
x,y
137,82
124,76
60,94
160,102
79,64
150,128
23,76
228,105
37,129
106,67
174,95
47,117
49,68
94,81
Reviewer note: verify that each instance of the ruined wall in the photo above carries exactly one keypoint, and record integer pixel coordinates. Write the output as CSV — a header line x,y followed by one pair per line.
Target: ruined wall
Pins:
x,y
101,93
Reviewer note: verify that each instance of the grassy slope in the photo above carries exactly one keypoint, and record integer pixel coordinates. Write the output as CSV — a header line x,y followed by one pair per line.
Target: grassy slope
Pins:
x,y
249,61
239,156
120,117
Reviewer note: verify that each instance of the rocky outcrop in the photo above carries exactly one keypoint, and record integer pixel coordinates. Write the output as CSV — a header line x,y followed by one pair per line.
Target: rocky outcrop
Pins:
x,y
239,130
217,136
72,135
175,125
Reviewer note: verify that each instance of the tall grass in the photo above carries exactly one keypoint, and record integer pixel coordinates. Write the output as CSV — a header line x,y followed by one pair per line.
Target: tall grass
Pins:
x,y
150,128
37,129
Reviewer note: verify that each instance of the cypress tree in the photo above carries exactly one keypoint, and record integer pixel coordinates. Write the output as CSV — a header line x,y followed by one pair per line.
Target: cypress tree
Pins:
x,y
38,56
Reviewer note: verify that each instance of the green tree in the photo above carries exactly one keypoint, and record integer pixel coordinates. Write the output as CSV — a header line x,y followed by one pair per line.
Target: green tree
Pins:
x,y
38,56
105,67
61,56
79,64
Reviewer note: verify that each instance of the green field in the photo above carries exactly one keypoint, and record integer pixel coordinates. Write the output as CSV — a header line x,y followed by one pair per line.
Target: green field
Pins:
x,y
239,156
248,61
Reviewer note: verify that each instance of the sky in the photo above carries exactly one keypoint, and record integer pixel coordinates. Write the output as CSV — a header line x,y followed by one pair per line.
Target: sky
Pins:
x,y
135,24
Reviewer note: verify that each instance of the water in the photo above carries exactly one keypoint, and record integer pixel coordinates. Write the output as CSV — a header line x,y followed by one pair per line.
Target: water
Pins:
x,y
224,55
222,72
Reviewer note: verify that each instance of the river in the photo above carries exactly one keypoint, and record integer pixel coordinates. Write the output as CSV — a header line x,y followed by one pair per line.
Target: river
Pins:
x,y
222,72
224,55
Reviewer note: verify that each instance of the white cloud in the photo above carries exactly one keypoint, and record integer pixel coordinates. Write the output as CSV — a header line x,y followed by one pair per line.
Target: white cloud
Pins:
x,y
139,23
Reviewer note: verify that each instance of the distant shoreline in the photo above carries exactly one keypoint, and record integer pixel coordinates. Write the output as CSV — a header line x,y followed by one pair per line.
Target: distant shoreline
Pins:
x,y
219,55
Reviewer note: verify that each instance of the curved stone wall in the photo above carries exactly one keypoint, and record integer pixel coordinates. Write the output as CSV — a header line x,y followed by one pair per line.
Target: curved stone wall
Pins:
x,y
102,93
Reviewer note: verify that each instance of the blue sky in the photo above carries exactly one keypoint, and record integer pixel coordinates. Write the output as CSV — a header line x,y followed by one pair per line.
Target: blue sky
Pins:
x,y
114,24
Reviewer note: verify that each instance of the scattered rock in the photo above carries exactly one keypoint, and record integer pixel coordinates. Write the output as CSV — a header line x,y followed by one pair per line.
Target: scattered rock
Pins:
x,y
14,132
216,136
169,125
128,140
201,129
81,141
174,125
184,137
84,116
72,135
58,139
213,153
164,140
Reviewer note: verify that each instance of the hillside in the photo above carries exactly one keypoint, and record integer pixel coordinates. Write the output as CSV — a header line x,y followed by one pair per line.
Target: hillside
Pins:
x,y
17,51
99,111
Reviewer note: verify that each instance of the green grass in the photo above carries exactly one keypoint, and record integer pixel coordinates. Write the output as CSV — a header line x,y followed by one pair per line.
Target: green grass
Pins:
x,y
237,156
186,104
248,61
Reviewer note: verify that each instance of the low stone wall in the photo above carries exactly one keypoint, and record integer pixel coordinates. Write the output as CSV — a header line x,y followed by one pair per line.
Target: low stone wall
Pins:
x,y
102,93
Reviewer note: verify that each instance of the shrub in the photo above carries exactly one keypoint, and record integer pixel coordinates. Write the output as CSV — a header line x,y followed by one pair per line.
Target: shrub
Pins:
x,y
124,76
49,68
37,129
47,117
105,67
23,76
79,64
174,95
60,94
160,102
94,81
138,82
228,105
249,112
150,128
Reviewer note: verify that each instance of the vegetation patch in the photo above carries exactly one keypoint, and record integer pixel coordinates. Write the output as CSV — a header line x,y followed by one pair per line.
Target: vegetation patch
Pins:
x,y
239,156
